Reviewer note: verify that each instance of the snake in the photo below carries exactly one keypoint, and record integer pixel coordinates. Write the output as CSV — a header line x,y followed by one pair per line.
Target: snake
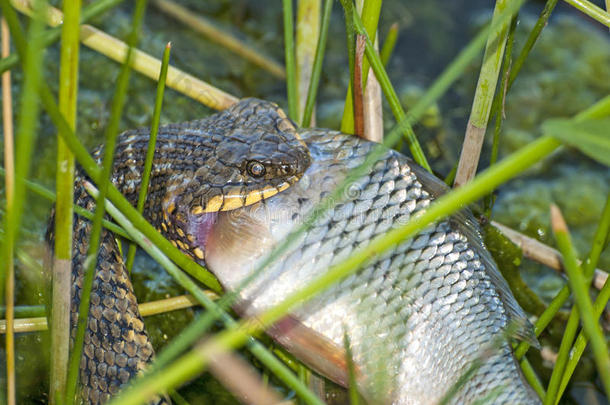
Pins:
x,y
226,189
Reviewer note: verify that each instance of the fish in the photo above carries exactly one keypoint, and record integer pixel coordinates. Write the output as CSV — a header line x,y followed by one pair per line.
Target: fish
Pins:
x,y
418,316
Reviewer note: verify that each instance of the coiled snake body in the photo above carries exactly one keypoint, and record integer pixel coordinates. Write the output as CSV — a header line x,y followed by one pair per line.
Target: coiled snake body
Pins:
x,y
417,315
234,158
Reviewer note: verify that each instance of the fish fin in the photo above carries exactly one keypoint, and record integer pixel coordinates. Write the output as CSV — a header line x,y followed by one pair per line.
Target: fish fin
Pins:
x,y
465,222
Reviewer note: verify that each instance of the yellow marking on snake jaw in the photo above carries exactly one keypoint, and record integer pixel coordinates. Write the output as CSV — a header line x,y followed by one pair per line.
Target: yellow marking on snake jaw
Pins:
x,y
254,197
197,210
269,191
214,204
180,232
232,202
198,252
190,237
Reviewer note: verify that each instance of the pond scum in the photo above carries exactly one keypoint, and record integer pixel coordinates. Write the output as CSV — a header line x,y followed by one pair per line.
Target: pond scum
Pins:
x,y
532,126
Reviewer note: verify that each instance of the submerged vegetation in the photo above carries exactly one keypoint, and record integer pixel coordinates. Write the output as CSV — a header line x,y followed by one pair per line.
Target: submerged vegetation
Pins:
x,y
559,71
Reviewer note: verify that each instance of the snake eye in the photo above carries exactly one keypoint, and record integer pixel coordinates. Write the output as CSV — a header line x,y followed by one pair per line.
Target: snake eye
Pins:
x,y
256,169
287,170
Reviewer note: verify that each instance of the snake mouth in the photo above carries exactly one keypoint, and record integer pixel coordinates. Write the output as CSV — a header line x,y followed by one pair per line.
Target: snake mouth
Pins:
x,y
199,228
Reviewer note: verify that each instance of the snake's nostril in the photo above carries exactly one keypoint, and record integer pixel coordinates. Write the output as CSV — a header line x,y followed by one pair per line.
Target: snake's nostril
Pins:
x,y
287,169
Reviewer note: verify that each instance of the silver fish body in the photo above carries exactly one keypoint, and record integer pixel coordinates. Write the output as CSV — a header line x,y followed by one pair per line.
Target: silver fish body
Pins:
x,y
418,315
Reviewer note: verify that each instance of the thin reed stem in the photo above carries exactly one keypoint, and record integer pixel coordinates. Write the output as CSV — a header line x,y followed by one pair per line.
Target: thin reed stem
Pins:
x,y
590,9
483,97
348,6
370,19
531,377
566,354
307,38
64,213
26,135
580,290
289,55
150,151
391,96
515,68
316,69
9,164
96,228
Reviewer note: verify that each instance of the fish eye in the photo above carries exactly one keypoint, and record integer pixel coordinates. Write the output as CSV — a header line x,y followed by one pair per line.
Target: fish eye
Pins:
x,y
287,169
256,168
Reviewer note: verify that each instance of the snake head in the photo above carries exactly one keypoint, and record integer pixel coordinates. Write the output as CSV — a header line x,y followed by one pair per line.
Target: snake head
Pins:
x,y
257,153
245,154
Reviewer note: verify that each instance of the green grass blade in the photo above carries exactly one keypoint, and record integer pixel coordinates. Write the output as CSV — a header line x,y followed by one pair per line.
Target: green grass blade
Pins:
x,y
581,341
150,151
317,65
354,398
499,99
370,19
579,287
590,136
520,60
9,268
307,34
62,262
531,377
501,94
25,138
391,96
591,10
565,354
348,6
567,358
96,227
291,75
483,97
